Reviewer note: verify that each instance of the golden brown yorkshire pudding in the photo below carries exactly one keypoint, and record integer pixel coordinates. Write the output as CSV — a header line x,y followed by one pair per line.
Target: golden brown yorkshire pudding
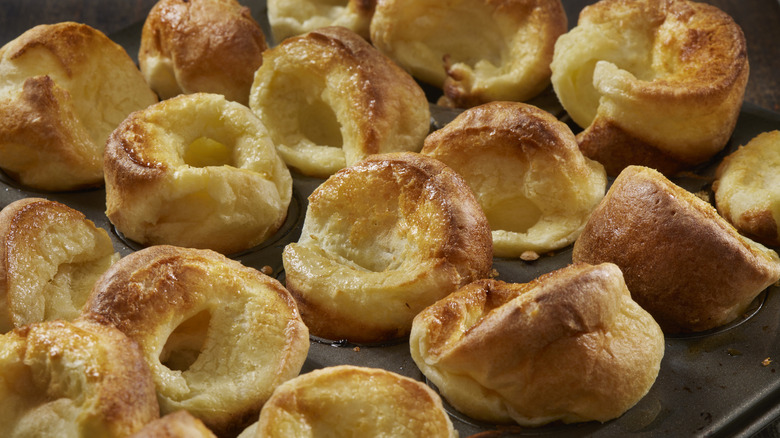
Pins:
x,y
657,83
747,188
50,256
382,240
63,88
61,379
475,50
210,46
330,99
218,336
295,17
179,424
570,346
198,171
354,401
533,183
682,262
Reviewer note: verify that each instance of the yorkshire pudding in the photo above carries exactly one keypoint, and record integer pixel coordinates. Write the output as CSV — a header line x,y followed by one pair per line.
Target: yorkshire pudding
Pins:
x,y
210,46
217,335
682,262
533,183
747,188
475,50
570,346
179,424
382,240
295,17
50,256
64,88
354,401
657,83
60,379
330,99
198,171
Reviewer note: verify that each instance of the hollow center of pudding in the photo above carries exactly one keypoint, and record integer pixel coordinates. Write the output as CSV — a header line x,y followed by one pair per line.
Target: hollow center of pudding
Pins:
x,y
205,152
318,123
185,343
515,214
300,114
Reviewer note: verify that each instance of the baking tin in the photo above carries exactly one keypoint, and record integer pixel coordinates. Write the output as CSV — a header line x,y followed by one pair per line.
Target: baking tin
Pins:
x,y
719,383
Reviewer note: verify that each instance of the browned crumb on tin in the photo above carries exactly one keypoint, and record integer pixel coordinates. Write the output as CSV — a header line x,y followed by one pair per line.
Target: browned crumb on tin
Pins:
x,y
529,256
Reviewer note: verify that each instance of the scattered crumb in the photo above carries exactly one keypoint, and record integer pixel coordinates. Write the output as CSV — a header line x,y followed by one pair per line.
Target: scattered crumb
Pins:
x,y
267,270
529,256
703,195
494,273
766,362
356,349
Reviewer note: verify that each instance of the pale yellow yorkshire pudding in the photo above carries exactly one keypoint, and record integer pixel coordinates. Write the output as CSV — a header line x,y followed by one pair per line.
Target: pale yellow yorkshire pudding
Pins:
x,y
330,99
295,17
218,336
50,256
570,346
196,170
682,262
382,240
60,379
210,46
747,188
63,89
354,401
179,424
657,83
475,50
533,183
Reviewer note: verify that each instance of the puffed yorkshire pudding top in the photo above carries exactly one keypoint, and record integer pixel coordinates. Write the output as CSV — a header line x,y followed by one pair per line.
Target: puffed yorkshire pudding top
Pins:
x,y
352,401
382,240
294,17
571,345
657,83
476,50
64,88
196,170
179,424
50,256
682,262
61,379
218,336
211,46
330,99
747,188
527,172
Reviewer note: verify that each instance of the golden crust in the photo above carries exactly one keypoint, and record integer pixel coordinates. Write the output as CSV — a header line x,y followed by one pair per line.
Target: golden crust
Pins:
x,y
348,400
382,240
175,425
330,99
218,336
475,50
657,83
525,167
50,256
682,262
62,379
211,46
65,87
571,346
163,188
747,190
295,17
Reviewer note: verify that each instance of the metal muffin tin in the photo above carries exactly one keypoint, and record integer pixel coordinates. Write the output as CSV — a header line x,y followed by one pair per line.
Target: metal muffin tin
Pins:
x,y
719,383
